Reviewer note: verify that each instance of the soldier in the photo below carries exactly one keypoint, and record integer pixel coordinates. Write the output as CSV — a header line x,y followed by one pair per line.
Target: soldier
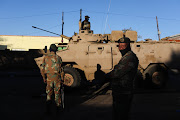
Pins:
x,y
86,24
52,75
122,80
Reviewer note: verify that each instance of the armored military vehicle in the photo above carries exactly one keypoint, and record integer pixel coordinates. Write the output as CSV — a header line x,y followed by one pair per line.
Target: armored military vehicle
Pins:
x,y
86,51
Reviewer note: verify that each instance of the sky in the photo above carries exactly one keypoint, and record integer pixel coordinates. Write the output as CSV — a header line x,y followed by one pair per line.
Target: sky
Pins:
x,y
18,16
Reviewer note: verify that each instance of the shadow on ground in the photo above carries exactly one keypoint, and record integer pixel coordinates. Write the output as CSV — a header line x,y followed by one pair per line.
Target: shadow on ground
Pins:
x,y
23,97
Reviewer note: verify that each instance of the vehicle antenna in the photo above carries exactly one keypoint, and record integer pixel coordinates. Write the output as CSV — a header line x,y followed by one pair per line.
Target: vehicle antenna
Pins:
x,y
80,24
46,30
62,24
158,29
80,14
107,16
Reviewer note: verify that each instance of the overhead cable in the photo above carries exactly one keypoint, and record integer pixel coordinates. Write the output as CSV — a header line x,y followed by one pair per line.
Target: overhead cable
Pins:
x,y
38,15
146,17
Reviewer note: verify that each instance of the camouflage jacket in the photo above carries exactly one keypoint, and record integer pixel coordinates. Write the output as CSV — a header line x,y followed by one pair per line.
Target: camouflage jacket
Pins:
x,y
86,25
124,72
51,64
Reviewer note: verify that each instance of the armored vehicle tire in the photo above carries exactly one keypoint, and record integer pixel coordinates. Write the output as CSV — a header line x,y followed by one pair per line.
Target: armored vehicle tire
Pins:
x,y
155,76
72,77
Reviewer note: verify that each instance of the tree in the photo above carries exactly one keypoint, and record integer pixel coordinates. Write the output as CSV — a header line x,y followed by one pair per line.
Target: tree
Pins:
x,y
130,29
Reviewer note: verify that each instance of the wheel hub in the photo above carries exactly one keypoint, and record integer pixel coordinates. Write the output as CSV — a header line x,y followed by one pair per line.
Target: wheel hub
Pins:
x,y
68,79
157,78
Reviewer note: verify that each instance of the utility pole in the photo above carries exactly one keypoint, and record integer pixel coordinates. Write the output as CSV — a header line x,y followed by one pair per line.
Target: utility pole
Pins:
x,y
62,24
80,14
158,29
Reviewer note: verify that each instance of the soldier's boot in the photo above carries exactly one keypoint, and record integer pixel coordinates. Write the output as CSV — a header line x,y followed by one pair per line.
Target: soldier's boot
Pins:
x,y
59,109
48,107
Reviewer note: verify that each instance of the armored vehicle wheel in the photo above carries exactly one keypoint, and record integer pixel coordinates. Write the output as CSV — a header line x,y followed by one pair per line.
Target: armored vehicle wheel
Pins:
x,y
72,77
156,76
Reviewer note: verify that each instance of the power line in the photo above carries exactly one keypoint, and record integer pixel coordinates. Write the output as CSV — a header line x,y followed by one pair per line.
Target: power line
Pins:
x,y
38,15
146,17
29,16
72,11
111,13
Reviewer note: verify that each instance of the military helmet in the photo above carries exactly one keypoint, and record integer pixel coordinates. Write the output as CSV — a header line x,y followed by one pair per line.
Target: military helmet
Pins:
x,y
124,40
53,47
87,16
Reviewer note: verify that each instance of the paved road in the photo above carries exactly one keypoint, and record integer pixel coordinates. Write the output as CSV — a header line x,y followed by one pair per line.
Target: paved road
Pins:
x,y
159,106
22,98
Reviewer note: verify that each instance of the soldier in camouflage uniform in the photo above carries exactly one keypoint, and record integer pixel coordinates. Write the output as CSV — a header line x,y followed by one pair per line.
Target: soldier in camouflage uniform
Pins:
x,y
86,24
52,75
122,80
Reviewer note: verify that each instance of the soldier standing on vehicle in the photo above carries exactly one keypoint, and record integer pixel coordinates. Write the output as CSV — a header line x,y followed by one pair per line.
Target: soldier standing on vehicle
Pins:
x,y
122,80
86,24
52,75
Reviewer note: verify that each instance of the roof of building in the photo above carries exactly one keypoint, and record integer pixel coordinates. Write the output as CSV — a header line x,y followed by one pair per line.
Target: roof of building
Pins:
x,y
29,36
173,36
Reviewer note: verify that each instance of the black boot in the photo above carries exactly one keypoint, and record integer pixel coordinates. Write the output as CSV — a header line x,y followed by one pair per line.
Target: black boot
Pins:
x,y
59,109
48,107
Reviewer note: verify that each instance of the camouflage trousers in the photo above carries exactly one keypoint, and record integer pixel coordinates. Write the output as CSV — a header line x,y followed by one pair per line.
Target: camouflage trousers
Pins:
x,y
53,85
